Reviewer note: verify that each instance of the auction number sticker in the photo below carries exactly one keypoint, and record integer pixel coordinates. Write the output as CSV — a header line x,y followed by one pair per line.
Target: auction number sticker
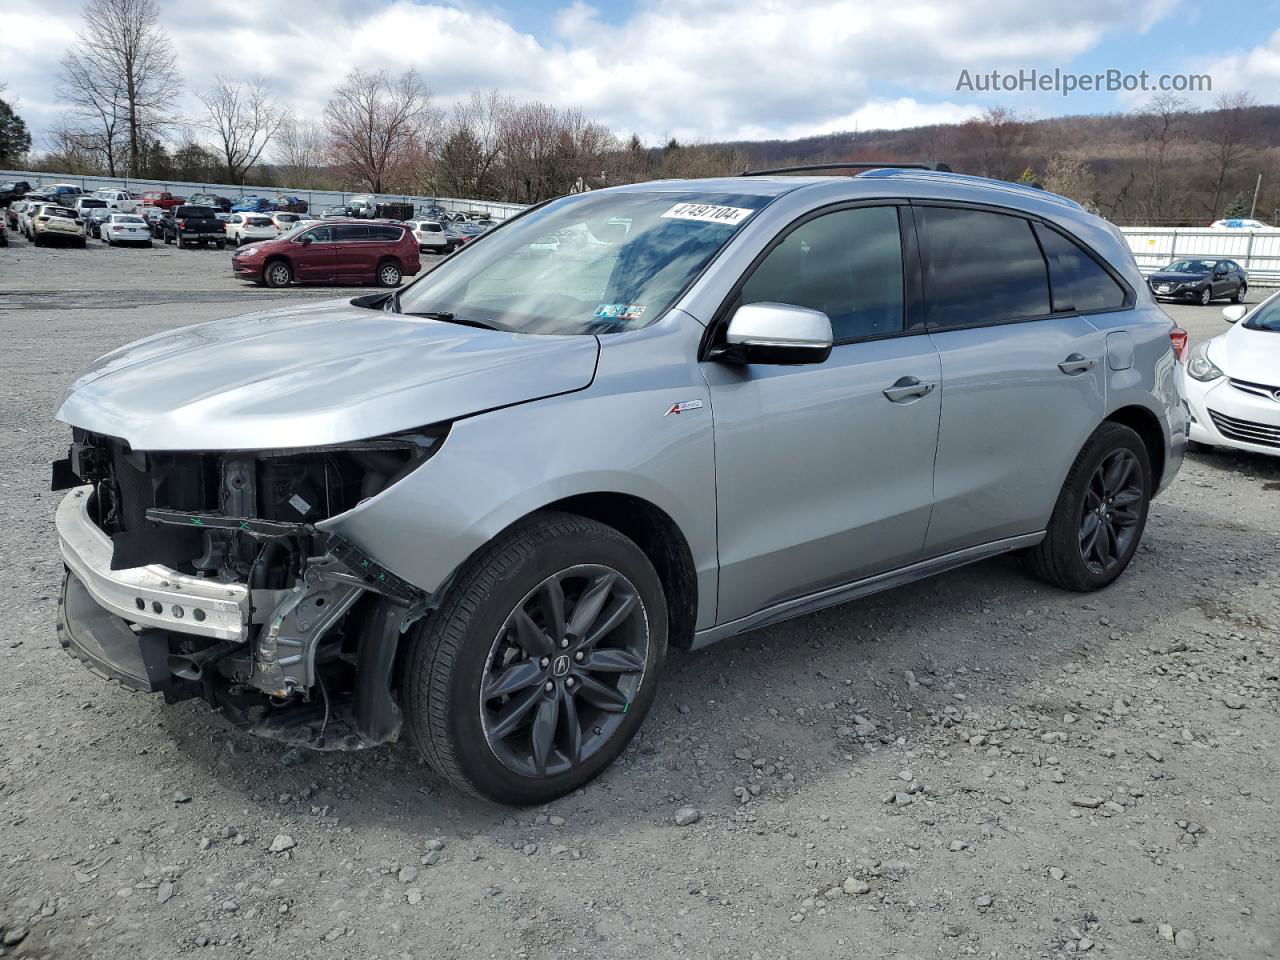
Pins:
x,y
708,213
619,311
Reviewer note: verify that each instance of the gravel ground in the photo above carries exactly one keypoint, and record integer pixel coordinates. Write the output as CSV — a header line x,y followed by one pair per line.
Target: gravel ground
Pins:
x,y
973,765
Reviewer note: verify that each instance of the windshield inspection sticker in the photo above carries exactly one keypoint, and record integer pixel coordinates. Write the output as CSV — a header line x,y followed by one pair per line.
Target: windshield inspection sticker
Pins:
x,y
619,311
708,213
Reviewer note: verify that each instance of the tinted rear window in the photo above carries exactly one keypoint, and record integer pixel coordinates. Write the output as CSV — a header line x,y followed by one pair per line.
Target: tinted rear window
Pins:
x,y
195,212
981,268
1079,283
385,233
351,231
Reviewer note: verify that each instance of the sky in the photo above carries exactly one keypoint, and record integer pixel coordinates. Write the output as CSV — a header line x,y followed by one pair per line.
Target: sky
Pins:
x,y
697,70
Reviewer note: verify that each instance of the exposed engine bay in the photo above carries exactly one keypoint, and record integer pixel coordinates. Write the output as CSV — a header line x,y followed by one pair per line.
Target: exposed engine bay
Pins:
x,y
310,660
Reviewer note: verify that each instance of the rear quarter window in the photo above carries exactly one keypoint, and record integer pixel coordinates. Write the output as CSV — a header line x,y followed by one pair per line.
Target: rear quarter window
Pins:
x,y
1078,281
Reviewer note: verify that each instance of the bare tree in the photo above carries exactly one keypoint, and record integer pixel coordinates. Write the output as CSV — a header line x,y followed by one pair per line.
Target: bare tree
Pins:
x,y
1228,142
97,102
1069,176
471,146
375,125
995,144
122,71
301,151
243,118
1160,126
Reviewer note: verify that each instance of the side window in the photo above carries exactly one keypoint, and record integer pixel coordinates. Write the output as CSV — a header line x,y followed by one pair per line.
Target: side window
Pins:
x,y
1078,282
384,233
350,231
319,234
980,267
848,264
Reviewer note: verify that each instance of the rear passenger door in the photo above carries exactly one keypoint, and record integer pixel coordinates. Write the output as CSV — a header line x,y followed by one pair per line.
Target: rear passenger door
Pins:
x,y
1023,369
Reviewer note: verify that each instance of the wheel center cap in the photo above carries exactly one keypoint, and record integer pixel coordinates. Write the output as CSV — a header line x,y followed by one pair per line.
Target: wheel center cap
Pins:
x,y
560,666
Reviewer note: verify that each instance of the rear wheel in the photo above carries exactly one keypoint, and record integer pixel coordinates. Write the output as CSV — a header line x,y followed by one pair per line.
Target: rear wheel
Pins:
x,y
542,662
220,244
1238,296
1100,514
389,274
277,274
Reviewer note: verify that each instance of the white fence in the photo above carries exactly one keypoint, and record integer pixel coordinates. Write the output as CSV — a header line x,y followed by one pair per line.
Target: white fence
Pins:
x,y
318,199
1257,251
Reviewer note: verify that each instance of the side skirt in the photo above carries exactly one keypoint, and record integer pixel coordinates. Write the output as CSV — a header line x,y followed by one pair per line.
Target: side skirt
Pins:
x,y
831,596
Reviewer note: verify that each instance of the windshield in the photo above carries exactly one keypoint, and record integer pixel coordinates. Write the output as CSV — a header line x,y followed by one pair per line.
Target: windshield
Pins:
x,y
1189,266
1266,317
618,262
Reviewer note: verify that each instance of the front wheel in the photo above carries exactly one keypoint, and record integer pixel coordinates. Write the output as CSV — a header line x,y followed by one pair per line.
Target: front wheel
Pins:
x,y
1100,514
277,274
542,662
1205,296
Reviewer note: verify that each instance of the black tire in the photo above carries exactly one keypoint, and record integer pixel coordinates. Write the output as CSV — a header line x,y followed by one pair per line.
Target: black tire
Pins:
x,y
1206,296
220,244
448,658
388,274
1238,296
83,243
168,240
277,273
1059,559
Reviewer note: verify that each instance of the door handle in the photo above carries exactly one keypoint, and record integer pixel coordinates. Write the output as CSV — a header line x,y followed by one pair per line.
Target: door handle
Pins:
x,y
1076,363
908,388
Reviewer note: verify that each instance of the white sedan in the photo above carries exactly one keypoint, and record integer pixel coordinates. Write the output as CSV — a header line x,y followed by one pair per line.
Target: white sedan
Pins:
x,y
125,228
1232,382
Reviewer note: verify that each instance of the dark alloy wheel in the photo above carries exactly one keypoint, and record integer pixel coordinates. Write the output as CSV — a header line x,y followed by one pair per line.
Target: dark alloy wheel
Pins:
x,y
1111,511
1205,296
541,662
564,669
1101,512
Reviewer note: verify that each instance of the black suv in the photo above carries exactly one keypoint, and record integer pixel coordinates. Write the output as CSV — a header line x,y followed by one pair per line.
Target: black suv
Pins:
x,y
1199,280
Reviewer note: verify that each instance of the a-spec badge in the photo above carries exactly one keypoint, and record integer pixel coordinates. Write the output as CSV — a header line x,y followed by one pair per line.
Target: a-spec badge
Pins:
x,y
683,407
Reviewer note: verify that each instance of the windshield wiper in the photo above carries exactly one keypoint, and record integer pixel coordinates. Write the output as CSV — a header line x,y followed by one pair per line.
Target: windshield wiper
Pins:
x,y
448,317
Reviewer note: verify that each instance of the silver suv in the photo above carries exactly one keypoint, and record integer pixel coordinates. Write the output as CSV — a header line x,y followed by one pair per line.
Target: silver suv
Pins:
x,y
479,509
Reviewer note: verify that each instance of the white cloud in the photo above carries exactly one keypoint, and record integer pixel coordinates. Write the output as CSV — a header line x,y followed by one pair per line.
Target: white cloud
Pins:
x,y
1256,70
695,69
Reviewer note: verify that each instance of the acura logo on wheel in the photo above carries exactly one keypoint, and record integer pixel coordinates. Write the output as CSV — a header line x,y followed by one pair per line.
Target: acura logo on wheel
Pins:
x,y
560,666
1275,395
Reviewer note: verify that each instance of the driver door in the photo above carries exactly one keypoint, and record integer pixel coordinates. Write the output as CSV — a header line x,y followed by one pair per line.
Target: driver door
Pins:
x,y
824,472
314,262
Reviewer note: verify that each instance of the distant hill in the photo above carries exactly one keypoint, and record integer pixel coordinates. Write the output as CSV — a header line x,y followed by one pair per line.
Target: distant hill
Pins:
x,y
1174,167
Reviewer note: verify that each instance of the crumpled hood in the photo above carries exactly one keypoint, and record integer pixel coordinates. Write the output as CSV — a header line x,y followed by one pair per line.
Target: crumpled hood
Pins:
x,y
315,374
1244,354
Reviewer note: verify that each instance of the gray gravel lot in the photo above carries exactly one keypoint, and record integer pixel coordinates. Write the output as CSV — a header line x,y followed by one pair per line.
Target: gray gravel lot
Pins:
x,y
974,765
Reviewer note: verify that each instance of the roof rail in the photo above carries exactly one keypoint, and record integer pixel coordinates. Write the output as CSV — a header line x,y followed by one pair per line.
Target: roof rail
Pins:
x,y
862,165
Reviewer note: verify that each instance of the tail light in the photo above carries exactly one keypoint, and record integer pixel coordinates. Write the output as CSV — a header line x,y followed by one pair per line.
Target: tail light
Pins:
x,y
182,224
1179,338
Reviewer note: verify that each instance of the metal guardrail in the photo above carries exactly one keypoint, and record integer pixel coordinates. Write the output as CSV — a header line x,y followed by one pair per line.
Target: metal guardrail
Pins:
x,y
317,199
1257,251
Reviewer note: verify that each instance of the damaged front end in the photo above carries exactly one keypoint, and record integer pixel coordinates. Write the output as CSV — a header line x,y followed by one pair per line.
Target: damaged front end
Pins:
x,y
205,575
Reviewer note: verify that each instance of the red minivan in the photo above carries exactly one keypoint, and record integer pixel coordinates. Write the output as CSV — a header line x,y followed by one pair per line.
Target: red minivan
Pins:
x,y
332,251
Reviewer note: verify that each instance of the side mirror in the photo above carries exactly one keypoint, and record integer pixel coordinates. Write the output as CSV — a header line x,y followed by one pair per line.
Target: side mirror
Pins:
x,y
304,240
776,333
1234,314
